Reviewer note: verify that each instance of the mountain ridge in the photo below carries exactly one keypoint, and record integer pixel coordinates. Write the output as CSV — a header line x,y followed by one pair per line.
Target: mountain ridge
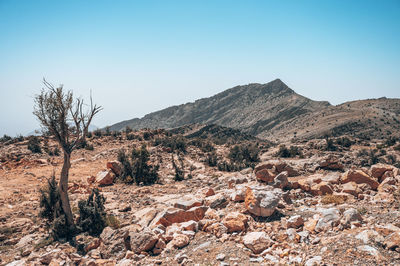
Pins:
x,y
269,111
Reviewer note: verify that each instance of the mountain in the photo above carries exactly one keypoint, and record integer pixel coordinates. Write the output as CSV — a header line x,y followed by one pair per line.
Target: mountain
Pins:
x,y
274,111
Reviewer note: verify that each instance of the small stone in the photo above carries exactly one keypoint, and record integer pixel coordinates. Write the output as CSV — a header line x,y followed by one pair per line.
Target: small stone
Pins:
x,y
220,257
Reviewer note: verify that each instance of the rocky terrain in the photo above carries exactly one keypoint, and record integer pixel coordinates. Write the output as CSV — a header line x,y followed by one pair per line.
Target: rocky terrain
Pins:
x,y
317,202
275,112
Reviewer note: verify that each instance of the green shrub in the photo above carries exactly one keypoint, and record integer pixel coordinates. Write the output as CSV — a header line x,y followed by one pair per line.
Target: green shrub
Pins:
x,y
147,135
138,169
107,132
390,141
344,142
330,145
174,143
284,152
92,216
52,211
128,130
203,145
98,133
245,153
49,200
141,170
229,166
179,170
34,145
126,167
212,159
5,138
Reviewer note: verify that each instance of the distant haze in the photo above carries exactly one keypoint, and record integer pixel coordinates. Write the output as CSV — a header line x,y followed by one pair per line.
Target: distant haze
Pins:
x,y
141,56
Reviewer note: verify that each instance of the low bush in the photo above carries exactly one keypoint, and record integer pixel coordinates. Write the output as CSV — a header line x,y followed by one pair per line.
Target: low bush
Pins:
x,y
34,145
137,168
212,159
179,170
284,152
92,216
174,143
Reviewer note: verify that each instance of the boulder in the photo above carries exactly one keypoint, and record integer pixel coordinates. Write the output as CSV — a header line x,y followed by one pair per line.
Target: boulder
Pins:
x,y
235,222
257,241
179,241
369,236
105,178
283,166
321,188
392,241
349,216
239,194
265,175
330,217
281,180
295,221
159,247
174,215
351,188
389,184
217,201
359,177
145,216
330,162
189,226
378,170
240,179
143,241
261,202
188,204
215,228
115,166
114,242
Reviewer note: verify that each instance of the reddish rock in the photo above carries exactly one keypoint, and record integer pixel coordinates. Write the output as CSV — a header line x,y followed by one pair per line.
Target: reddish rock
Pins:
x,y
174,215
105,178
180,241
322,188
393,240
378,170
188,204
257,241
235,222
351,188
261,202
295,222
143,241
265,175
359,177
262,166
115,166
330,163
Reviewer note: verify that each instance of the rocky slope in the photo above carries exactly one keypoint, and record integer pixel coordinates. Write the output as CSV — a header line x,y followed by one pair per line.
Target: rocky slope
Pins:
x,y
331,204
274,111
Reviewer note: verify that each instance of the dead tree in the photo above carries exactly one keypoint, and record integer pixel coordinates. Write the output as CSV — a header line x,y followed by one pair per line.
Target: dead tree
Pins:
x,y
68,120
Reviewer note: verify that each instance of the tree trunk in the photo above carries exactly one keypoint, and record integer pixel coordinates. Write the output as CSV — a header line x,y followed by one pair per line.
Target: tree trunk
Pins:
x,y
63,186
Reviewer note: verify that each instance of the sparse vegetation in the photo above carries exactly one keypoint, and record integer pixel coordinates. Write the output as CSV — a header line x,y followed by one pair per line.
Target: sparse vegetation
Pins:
x,y
179,170
284,152
34,144
173,143
138,169
92,216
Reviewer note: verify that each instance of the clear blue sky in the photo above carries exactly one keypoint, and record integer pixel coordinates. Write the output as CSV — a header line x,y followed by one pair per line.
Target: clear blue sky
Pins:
x,y
141,56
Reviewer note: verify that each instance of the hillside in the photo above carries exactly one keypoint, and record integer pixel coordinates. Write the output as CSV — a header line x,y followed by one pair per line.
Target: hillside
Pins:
x,y
274,111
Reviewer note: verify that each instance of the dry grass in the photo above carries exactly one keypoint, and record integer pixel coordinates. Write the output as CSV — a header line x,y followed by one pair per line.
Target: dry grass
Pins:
x,y
336,199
